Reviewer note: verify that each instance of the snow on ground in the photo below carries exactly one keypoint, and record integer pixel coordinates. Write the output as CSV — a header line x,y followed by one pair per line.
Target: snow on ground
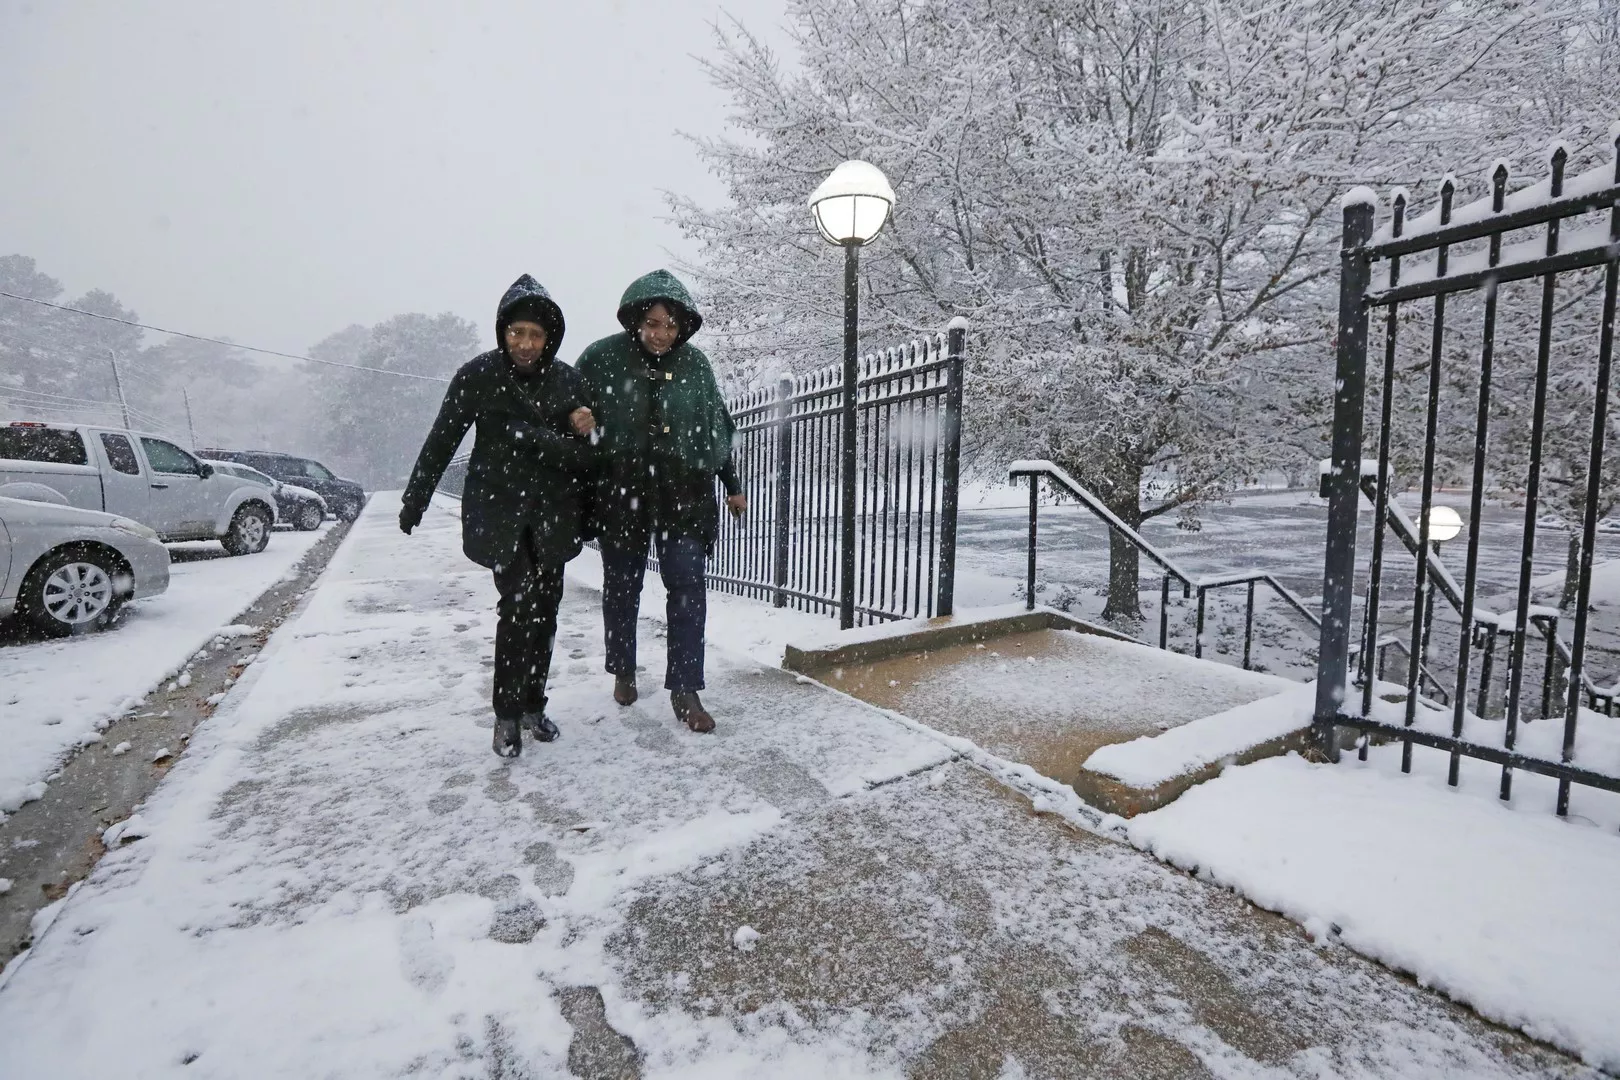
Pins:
x,y
391,936
1597,737
339,879
1505,908
738,624
1149,761
1281,532
57,695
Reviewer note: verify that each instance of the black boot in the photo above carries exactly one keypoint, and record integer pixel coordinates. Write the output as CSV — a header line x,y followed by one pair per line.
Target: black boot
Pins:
x,y
508,740
540,727
624,689
690,711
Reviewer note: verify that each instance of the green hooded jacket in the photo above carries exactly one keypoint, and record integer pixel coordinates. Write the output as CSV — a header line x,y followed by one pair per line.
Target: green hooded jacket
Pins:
x,y
665,430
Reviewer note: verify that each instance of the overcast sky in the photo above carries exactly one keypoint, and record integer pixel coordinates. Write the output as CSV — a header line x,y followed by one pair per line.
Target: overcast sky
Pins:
x,y
274,171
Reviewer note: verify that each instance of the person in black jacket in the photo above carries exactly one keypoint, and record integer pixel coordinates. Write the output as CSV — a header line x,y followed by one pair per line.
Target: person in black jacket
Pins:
x,y
521,512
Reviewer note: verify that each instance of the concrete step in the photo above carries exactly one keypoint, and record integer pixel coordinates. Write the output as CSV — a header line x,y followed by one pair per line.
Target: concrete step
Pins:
x,y
1049,698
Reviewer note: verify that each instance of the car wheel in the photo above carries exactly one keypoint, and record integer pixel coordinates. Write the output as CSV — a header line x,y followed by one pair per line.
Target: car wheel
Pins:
x,y
310,517
249,532
346,509
72,590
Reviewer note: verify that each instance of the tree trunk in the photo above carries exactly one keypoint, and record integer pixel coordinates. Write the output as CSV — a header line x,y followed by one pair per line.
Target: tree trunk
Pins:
x,y
1124,598
1124,561
1572,571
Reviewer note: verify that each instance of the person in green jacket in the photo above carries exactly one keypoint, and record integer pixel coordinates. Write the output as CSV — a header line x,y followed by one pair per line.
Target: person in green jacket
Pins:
x,y
664,436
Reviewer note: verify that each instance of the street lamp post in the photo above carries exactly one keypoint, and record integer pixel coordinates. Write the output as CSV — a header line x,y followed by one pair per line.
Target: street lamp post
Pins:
x,y
1444,524
851,207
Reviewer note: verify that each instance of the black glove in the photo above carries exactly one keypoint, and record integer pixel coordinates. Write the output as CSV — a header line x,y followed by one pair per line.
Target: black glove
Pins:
x,y
409,518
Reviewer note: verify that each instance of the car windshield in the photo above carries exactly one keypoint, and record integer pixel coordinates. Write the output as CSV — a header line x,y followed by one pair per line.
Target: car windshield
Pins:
x,y
317,470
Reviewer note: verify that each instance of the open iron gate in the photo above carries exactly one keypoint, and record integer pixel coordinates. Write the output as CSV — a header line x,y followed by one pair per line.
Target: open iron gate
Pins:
x,y
1546,233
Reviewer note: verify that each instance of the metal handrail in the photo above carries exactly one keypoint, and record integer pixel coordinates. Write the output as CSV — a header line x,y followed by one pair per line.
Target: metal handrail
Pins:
x,y
1595,694
1443,583
1392,642
1059,479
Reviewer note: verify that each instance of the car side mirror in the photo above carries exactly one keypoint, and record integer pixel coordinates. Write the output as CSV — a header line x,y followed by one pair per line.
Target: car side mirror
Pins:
x,y
204,469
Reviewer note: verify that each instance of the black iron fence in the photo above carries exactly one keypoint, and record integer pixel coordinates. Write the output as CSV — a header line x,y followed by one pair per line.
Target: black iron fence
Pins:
x,y
786,549
908,449
1555,233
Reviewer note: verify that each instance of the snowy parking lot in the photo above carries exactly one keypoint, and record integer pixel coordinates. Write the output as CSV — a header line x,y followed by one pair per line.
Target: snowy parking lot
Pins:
x,y
57,695
1282,532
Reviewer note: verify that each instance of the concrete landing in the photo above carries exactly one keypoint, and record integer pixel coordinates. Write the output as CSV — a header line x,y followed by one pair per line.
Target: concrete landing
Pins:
x,y
1049,698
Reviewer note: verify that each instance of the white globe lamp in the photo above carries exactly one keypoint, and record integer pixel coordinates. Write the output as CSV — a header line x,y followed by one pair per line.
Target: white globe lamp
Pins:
x,y
852,205
1444,524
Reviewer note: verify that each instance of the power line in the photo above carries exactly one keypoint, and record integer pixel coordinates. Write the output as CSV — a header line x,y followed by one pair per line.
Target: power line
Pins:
x,y
229,344
44,401
32,403
7,388
66,404
132,370
104,417
48,409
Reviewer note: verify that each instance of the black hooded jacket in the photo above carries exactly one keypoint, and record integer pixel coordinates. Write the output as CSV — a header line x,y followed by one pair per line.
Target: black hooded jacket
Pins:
x,y
528,467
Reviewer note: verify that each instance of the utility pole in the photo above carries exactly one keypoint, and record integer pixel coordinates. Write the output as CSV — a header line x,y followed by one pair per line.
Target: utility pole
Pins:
x,y
185,396
118,381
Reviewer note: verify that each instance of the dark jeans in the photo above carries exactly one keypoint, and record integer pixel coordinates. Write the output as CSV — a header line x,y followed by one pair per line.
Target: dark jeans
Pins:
x,y
680,562
530,594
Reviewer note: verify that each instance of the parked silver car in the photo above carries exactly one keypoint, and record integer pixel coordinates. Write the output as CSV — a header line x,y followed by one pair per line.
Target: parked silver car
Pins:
x,y
142,477
69,570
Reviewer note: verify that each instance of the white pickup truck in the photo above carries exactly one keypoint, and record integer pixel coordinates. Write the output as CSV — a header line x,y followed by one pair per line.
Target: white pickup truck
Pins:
x,y
142,477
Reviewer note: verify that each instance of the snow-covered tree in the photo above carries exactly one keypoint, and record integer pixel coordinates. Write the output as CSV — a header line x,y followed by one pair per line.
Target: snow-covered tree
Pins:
x,y
56,364
26,330
1135,201
1567,97
234,400
372,425
1574,94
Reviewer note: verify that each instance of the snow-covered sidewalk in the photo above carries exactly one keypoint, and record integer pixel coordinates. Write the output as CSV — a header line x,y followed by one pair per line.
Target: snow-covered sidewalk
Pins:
x,y
58,695
340,879
1504,907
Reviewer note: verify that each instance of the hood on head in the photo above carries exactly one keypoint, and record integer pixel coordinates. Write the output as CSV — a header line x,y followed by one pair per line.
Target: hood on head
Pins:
x,y
527,292
649,289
